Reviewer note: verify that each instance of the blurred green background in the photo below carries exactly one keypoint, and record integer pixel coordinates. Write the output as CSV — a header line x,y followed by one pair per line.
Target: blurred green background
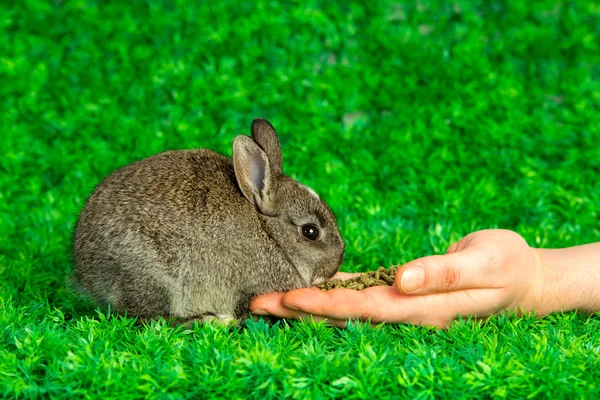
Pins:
x,y
417,121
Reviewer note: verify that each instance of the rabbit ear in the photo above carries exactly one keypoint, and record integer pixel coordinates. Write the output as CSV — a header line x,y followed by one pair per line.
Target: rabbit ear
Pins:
x,y
254,174
265,136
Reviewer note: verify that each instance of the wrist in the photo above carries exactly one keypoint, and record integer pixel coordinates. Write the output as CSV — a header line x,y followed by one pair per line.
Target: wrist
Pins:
x,y
570,279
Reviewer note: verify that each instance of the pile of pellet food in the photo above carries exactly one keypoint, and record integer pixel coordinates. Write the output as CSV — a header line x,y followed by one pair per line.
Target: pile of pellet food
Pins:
x,y
381,277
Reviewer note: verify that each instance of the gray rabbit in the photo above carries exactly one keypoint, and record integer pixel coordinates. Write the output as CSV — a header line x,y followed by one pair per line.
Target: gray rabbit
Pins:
x,y
194,235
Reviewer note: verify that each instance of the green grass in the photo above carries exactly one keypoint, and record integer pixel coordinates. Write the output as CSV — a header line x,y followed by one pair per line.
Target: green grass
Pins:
x,y
418,122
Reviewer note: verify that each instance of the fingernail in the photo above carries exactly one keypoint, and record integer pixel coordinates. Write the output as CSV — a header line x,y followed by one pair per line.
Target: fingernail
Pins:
x,y
259,312
412,279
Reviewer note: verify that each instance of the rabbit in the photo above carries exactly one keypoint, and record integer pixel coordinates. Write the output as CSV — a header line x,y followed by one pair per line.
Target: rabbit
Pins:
x,y
195,235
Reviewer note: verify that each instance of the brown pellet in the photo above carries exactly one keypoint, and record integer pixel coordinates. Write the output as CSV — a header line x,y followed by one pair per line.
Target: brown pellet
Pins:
x,y
380,277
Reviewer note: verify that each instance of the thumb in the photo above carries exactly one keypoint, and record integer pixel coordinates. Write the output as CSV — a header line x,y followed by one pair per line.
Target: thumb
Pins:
x,y
465,269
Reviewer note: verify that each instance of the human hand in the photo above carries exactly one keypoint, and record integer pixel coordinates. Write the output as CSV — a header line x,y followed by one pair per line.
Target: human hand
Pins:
x,y
484,273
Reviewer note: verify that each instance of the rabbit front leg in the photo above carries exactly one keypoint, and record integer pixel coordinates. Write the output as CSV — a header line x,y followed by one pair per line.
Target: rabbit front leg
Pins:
x,y
212,318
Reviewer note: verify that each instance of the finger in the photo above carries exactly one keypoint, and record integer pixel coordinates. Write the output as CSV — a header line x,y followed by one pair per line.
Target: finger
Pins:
x,y
386,304
341,304
269,300
270,304
453,247
469,268
265,301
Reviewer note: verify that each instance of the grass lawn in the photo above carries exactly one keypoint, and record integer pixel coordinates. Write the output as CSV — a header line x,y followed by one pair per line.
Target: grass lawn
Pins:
x,y
418,122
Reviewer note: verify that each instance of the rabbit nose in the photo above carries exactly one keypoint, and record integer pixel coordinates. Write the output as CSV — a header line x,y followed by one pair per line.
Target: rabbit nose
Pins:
x,y
332,267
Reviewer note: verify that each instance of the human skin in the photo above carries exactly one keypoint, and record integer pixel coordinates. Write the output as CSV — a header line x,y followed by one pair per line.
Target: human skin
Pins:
x,y
486,272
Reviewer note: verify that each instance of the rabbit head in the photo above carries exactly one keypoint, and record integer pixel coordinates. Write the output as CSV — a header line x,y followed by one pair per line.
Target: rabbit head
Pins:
x,y
292,214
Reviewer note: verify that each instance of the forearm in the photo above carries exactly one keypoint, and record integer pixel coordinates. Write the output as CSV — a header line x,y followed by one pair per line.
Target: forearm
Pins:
x,y
571,279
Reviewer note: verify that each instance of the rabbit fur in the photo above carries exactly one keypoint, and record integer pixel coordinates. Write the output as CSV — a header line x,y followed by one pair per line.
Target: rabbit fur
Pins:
x,y
195,235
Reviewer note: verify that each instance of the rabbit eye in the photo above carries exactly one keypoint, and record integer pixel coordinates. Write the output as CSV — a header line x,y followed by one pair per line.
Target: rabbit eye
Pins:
x,y
310,232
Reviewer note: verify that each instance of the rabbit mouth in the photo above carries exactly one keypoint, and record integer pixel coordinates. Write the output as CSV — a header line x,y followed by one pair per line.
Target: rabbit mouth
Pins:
x,y
317,280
